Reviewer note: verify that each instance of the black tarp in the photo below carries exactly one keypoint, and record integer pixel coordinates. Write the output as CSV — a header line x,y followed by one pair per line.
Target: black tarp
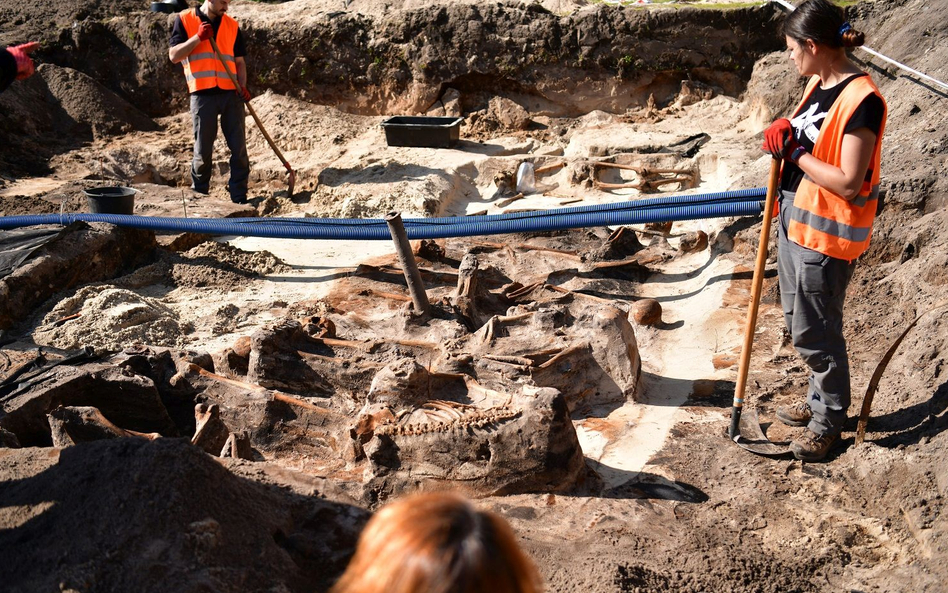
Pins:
x,y
17,245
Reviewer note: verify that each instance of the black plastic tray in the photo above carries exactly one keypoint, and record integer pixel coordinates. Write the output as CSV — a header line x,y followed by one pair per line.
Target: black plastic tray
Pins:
x,y
422,131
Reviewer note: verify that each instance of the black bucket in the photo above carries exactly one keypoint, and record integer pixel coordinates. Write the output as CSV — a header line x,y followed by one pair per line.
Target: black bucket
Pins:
x,y
111,200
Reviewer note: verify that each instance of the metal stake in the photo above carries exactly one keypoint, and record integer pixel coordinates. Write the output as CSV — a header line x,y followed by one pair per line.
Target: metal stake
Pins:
x,y
406,259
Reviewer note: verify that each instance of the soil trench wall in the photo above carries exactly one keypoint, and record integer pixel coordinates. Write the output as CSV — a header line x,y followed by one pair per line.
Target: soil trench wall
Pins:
x,y
608,56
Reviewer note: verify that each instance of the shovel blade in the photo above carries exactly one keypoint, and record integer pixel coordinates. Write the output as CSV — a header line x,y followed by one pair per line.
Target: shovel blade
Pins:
x,y
291,183
752,438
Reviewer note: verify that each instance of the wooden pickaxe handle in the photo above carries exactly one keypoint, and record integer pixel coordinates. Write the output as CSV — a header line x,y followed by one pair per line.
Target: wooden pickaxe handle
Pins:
x,y
233,78
756,284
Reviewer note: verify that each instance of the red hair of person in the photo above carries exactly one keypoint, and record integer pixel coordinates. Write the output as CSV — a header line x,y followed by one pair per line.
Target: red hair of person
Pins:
x,y
438,542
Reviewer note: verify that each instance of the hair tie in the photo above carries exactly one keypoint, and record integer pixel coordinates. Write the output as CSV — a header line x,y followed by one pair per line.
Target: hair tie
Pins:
x,y
843,29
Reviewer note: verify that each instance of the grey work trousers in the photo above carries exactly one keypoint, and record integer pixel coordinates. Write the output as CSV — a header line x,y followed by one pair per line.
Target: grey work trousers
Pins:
x,y
812,292
205,109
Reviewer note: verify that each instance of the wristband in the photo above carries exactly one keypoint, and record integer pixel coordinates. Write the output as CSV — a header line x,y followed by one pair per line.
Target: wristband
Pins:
x,y
798,152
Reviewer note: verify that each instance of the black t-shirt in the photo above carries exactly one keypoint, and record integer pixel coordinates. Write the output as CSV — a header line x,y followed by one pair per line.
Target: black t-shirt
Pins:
x,y
8,69
807,124
180,35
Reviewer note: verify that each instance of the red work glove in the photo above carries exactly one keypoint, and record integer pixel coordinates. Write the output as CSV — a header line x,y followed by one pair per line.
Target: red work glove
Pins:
x,y
244,94
790,151
21,53
205,31
776,136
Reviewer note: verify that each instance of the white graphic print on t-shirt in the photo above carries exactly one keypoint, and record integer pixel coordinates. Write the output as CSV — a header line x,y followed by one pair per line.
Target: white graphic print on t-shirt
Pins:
x,y
807,122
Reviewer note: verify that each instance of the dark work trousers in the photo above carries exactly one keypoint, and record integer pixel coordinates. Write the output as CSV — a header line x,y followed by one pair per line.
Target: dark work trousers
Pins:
x,y
812,291
205,109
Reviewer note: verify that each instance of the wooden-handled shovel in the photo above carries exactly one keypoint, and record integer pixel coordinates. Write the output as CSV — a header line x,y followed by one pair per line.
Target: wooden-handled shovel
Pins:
x,y
746,432
233,78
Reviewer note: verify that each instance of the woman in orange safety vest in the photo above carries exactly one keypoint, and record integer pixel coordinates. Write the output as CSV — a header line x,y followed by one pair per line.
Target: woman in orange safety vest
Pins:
x,y
829,188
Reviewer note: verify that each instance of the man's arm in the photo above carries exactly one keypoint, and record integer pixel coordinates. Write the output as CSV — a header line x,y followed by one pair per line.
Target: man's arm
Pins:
x,y
176,53
241,72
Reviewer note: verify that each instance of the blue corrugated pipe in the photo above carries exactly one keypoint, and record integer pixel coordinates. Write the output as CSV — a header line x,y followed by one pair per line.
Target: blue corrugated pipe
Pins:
x,y
421,229
738,195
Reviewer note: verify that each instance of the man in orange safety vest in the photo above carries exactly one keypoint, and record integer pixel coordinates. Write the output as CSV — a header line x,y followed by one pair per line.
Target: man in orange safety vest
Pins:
x,y
213,94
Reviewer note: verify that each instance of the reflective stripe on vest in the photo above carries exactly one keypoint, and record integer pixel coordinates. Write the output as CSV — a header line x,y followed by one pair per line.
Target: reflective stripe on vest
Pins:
x,y
820,219
202,69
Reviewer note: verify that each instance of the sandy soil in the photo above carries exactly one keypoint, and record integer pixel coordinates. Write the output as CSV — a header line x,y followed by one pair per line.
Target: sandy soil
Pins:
x,y
670,504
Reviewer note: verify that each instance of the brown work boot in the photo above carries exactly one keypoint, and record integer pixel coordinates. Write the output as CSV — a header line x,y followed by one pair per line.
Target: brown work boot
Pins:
x,y
795,415
811,446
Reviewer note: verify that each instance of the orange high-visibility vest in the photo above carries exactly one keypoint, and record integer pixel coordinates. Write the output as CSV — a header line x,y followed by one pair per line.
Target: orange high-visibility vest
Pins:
x,y
202,69
820,219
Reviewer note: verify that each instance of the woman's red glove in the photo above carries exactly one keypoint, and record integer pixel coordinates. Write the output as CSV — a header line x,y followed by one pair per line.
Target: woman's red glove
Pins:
x,y
24,64
776,137
244,94
790,149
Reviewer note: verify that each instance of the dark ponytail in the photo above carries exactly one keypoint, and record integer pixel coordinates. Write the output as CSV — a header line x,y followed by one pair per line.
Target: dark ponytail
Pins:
x,y
824,23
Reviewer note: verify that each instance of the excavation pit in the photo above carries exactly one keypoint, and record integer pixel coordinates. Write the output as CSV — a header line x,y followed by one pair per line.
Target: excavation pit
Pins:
x,y
309,392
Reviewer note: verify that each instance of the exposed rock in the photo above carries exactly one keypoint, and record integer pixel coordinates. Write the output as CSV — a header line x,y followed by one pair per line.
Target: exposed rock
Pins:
x,y
210,432
402,381
275,361
129,401
510,115
693,242
527,445
451,99
170,370
622,243
647,312
70,425
8,440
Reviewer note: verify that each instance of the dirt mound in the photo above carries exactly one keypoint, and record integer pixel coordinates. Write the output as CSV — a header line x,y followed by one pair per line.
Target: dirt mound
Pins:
x,y
204,528
109,318
24,205
254,262
58,108
114,317
210,265
91,105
